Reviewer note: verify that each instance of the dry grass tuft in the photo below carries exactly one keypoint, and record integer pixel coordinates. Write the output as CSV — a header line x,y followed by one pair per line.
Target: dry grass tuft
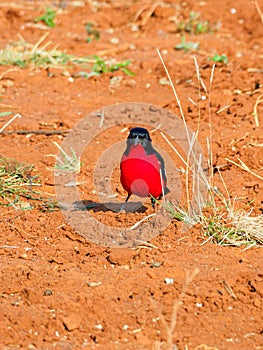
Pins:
x,y
220,221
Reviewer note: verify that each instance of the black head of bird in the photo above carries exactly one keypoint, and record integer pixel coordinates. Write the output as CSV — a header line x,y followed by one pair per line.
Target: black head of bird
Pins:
x,y
139,136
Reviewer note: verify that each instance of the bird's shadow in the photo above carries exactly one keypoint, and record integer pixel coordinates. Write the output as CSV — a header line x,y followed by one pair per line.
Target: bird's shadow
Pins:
x,y
128,207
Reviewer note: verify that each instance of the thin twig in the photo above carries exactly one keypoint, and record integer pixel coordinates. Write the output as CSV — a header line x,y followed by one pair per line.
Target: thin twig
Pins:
x,y
244,167
34,132
259,10
175,94
255,112
10,121
229,290
142,220
144,244
148,12
9,247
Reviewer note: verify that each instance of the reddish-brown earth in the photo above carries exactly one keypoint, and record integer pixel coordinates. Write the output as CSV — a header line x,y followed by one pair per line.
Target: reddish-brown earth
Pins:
x,y
58,289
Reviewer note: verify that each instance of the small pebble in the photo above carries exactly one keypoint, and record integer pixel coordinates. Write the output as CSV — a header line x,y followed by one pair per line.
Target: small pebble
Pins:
x,y
94,284
99,326
47,292
73,183
233,10
115,80
168,280
71,80
155,264
114,41
134,27
164,81
23,256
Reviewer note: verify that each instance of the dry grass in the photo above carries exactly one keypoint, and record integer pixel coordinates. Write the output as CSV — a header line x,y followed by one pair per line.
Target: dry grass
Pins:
x,y
255,109
170,327
16,182
219,218
260,13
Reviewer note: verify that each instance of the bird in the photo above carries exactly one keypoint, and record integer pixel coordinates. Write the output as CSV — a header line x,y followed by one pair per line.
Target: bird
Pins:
x,y
142,168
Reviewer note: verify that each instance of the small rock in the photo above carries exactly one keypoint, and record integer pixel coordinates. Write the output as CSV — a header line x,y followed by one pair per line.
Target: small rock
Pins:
x,y
110,31
164,81
72,321
7,83
134,27
168,280
115,80
73,183
121,256
199,305
47,292
114,41
94,284
99,326
155,264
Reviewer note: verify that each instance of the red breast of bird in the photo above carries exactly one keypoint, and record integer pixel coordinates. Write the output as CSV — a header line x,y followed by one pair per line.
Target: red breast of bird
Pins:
x,y
140,173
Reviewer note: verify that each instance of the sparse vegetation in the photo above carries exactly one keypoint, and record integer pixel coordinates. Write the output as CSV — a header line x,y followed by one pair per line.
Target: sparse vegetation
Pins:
x,y
16,181
187,46
93,34
44,55
68,162
101,66
48,18
23,54
218,217
5,114
219,59
194,24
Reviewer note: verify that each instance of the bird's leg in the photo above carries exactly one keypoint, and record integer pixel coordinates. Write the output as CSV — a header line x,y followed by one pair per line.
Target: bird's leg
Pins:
x,y
126,200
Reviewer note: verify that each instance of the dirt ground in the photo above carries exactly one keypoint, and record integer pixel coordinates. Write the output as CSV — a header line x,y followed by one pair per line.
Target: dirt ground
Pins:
x,y
60,290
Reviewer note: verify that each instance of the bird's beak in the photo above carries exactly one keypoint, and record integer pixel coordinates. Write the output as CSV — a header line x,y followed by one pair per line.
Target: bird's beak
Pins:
x,y
136,140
